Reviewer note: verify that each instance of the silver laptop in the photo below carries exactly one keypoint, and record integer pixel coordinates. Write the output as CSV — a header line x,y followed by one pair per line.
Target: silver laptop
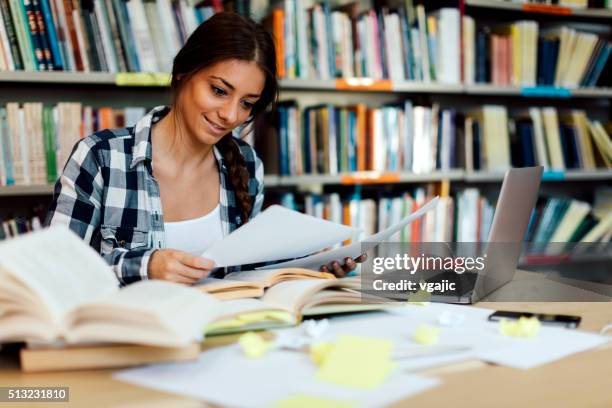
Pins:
x,y
518,196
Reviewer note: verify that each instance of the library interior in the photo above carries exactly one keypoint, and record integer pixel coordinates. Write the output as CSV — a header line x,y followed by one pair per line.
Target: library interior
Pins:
x,y
201,201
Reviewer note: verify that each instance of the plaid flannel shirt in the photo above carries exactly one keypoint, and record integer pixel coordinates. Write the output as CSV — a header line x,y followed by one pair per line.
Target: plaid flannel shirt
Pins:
x,y
107,194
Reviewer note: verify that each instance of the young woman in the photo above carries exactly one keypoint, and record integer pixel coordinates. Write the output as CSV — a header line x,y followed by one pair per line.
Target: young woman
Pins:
x,y
152,197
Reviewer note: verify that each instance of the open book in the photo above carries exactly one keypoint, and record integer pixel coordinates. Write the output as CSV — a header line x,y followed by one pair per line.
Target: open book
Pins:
x,y
54,287
249,284
287,303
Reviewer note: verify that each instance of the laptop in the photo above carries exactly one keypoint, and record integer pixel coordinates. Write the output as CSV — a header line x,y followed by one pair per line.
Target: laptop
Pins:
x,y
518,196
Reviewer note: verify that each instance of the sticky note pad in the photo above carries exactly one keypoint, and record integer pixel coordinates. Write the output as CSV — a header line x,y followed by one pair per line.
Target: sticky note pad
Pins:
x,y
358,362
523,327
427,335
253,345
419,298
307,401
319,352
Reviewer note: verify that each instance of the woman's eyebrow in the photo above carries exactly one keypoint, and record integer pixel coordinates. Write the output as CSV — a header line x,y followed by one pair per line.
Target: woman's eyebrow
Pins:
x,y
230,86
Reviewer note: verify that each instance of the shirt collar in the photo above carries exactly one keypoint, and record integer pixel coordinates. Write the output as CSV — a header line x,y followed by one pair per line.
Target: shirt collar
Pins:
x,y
142,138
142,135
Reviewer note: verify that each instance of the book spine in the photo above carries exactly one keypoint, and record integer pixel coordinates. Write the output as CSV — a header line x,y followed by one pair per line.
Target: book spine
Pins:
x,y
117,46
43,35
23,35
50,144
51,30
127,41
35,36
11,44
89,40
100,18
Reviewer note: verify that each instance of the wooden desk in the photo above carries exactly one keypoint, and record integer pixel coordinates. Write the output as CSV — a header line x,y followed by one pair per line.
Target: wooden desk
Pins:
x,y
581,380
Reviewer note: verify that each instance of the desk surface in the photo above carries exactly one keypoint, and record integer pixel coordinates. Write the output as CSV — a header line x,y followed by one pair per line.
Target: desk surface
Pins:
x,y
579,380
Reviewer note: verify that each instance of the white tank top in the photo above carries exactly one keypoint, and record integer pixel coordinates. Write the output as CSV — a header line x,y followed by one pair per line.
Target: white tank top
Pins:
x,y
196,235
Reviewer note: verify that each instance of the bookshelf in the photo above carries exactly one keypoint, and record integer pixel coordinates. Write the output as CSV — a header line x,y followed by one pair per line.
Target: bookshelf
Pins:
x,y
137,89
319,85
375,178
534,9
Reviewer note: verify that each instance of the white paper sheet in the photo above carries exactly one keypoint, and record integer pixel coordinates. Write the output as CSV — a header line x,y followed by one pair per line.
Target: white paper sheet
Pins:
x,y
226,377
551,344
275,234
476,332
356,248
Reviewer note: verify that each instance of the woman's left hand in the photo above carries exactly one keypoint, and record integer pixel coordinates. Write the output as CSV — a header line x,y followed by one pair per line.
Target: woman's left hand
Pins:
x,y
341,270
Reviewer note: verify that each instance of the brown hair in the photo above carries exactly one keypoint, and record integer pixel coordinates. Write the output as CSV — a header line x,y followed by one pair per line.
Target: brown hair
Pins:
x,y
230,36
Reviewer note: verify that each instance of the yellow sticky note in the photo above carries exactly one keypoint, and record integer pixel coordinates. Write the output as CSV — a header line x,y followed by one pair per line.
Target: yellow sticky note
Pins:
x,y
142,79
358,362
523,327
307,401
256,317
253,345
319,351
427,335
419,298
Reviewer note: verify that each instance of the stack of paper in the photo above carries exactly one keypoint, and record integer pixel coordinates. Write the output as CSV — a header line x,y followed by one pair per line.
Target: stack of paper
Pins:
x,y
279,233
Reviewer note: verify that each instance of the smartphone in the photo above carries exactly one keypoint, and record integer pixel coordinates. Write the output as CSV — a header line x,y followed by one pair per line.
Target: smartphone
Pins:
x,y
570,322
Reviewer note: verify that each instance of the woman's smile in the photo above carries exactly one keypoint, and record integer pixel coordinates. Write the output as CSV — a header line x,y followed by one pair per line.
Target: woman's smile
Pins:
x,y
214,128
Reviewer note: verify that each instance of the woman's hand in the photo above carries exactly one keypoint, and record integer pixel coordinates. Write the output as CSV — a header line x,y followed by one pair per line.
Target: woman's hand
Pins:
x,y
341,270
178,266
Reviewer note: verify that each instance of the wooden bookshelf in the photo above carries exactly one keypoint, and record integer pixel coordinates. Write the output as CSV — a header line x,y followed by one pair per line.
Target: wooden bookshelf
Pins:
x,y
597,14
275,181
318,85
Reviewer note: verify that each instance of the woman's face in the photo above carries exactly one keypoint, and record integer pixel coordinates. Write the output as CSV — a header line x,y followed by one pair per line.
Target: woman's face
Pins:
x,y
219,98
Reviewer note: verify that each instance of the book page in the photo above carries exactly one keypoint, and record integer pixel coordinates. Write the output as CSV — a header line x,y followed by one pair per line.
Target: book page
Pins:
x,y
212,285
292,295
269,277
151,312
59,268
275,234
355,249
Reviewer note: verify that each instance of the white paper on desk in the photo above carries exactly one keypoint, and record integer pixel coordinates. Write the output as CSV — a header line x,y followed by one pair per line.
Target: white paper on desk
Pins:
x,y
226,377
277,233
356,248
476,332
552,343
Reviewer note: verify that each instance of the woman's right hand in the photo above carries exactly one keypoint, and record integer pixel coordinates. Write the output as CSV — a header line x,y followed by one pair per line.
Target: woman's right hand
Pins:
x,y
178,266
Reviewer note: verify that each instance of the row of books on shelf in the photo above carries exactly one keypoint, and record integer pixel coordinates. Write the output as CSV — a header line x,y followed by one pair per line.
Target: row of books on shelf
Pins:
x,y
14,225
36,140
314,41
406,43
577,4
328,139
466,217
96,35
522,54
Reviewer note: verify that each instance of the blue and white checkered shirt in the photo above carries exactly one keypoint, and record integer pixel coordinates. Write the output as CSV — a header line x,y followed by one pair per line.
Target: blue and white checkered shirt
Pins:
x,y
107,194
